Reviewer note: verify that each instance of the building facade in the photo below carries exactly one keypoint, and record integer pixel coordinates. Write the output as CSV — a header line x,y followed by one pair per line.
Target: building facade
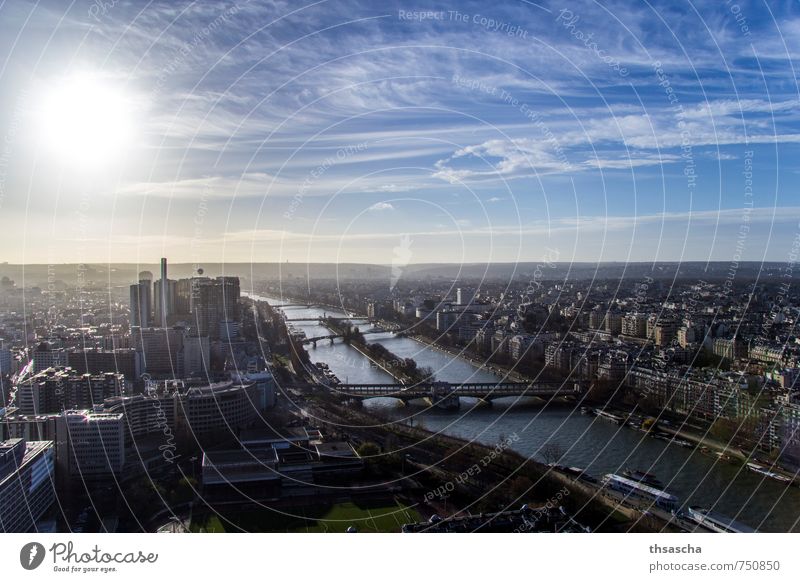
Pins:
x,y
26,483
90,444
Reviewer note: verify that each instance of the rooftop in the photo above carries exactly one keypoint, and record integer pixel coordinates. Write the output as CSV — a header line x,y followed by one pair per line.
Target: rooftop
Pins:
x,y
33,449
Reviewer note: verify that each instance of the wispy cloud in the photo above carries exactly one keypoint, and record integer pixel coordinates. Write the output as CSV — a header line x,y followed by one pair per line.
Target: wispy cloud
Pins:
x,y
252,106
381,207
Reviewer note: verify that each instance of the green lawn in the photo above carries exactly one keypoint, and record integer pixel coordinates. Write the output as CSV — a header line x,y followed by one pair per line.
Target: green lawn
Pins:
x,y
332,518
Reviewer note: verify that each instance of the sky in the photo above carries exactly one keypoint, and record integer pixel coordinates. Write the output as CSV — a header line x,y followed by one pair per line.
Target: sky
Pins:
x,y
386,132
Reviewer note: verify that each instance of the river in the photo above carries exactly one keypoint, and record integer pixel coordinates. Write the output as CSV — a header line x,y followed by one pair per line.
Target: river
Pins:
x,y
594,444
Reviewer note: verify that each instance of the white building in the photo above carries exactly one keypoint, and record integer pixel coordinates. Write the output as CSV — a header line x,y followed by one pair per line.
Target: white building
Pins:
x,y
90,444
465,295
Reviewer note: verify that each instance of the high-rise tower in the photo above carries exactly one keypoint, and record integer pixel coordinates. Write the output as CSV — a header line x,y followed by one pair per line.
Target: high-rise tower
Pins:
x,y
141,302
163,294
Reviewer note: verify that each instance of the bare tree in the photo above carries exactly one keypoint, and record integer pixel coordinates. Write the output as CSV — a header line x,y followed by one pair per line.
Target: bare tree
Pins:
x,y
552,453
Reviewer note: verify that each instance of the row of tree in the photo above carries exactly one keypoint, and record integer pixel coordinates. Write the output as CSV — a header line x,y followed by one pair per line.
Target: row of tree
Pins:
x,y
406,368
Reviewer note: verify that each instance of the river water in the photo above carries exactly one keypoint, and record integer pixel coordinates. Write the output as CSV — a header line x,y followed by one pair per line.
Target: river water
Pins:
x,y
592,443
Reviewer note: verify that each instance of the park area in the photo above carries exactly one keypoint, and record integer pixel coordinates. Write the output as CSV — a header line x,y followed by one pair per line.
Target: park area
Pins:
x,y
370,517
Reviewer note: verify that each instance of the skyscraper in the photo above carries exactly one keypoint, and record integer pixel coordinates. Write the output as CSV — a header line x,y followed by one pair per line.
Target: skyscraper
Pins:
x,y
163,295
214,301
141,304
183,297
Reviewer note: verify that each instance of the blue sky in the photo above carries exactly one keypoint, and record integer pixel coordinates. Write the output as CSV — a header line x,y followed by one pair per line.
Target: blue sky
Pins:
x,y
328,131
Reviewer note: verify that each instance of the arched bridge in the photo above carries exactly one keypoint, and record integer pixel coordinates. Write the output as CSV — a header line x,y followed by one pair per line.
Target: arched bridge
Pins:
x,y
445,395
333,336
323,319
315,339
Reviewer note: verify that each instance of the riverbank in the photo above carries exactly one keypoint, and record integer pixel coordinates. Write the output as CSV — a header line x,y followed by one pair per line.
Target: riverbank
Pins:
x,y
477,477
723,452
726,453
502,371
379,365
733,454
705,443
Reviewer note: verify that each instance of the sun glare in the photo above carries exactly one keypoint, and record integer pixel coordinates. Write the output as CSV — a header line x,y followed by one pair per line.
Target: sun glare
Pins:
x,y
85,121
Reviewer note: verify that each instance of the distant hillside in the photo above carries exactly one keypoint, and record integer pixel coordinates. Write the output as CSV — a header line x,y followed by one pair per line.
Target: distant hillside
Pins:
x,y
125,273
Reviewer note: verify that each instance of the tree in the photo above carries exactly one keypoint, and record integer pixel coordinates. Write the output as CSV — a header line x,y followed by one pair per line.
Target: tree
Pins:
x,y
145,493
368,449
425,374
552,453
410,365
723,429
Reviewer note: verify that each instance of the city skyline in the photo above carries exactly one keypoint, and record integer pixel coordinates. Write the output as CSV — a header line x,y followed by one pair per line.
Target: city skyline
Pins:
x,y
451,133
114,386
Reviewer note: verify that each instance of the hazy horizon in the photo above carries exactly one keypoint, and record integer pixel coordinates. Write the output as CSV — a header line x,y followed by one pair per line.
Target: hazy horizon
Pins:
x,y
155,263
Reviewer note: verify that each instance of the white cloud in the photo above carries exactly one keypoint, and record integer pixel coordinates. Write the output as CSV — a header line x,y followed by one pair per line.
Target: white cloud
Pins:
x,y
380,207
600,223
254,184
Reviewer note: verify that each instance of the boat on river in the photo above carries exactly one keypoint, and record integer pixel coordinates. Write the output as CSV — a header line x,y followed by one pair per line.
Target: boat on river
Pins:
x,y
608,416
716,521
767,473
643,477
636,491
668,438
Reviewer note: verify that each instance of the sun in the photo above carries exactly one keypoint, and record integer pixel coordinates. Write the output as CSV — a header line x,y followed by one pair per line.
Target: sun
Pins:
x,y
85,121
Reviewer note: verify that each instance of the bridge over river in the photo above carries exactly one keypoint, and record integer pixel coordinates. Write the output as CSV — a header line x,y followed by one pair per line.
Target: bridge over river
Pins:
x,y
324,319
446,395
333,335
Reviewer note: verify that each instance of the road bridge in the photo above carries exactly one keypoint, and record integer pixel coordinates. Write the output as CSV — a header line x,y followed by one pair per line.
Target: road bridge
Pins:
x,y
324,319
333,336
446,395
